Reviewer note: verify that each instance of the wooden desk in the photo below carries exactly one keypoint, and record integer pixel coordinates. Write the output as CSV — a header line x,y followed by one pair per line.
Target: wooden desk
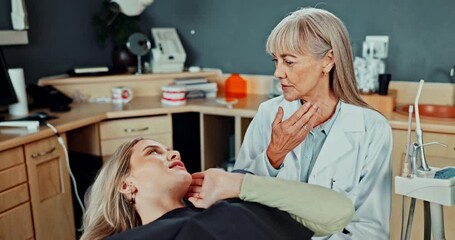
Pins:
x,y
216,122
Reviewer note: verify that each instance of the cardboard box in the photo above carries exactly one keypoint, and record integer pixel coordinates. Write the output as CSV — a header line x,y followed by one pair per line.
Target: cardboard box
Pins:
x,y
383,103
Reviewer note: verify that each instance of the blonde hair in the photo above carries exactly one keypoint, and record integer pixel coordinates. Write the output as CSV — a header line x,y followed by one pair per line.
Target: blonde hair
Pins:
x,y
109,211
316,32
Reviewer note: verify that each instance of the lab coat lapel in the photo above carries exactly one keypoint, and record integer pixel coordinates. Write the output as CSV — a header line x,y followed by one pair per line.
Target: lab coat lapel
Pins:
x,y
337,145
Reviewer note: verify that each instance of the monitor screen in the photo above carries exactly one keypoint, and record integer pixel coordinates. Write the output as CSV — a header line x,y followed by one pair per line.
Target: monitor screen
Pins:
x,y
7,93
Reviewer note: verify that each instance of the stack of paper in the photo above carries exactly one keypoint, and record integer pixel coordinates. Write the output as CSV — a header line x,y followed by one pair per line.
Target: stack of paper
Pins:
x,y
198,87
186,81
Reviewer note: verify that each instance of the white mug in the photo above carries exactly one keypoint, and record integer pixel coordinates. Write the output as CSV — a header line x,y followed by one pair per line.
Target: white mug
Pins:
x,y
121,94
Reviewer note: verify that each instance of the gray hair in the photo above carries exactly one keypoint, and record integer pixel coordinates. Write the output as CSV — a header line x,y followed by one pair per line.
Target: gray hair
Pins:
x,y
316,31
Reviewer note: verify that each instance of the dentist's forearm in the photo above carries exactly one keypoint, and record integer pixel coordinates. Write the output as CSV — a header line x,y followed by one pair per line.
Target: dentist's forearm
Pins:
x,y
231,185
322,210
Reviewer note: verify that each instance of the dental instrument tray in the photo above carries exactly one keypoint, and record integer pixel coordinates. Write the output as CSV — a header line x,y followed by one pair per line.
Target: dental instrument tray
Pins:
x,y
446,173
438,187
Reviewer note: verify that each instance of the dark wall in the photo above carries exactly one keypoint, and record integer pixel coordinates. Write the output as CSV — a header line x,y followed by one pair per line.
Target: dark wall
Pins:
x,y
231,34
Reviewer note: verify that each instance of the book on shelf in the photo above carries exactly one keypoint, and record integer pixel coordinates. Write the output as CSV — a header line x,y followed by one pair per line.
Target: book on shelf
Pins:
x,y
89,71
208,87
188,81
208,90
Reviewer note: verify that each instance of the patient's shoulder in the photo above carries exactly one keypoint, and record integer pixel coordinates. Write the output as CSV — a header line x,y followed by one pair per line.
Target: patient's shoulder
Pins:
x,y
164,227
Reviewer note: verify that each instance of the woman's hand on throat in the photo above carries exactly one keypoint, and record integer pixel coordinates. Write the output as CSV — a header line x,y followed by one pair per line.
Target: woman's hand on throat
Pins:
x,y
288,134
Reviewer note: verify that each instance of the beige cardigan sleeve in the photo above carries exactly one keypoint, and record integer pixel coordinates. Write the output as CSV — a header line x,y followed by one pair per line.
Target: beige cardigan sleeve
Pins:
x,y
320,209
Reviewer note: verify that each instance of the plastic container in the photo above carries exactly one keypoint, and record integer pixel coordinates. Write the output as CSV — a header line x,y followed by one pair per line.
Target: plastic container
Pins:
x,y
235,86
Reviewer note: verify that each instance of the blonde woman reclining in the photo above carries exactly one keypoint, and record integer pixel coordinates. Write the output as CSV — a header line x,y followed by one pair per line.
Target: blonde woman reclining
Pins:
x,y
139,194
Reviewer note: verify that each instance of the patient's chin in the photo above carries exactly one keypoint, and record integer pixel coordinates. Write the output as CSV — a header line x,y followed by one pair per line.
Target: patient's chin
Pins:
x,y
188,178
182,176
183,182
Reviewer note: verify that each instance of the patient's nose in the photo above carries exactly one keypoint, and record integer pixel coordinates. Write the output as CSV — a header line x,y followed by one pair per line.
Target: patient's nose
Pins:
x,y
173,155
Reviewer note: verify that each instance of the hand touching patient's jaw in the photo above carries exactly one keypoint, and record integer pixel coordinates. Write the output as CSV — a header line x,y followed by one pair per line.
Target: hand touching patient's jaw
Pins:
x,y
213,185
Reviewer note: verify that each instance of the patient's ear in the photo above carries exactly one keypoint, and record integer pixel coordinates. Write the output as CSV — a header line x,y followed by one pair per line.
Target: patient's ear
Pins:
x,y
127,187
123,188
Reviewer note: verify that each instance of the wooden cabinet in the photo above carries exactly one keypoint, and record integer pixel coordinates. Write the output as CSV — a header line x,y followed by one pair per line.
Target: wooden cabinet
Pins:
x,y
216,134
50,190
15,212
436,156
115,132
45,213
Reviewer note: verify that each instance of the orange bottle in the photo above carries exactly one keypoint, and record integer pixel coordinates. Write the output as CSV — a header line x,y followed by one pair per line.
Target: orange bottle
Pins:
x,y
235,86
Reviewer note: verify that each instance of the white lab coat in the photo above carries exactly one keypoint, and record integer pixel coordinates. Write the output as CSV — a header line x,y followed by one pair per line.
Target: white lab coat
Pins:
x,y
356,155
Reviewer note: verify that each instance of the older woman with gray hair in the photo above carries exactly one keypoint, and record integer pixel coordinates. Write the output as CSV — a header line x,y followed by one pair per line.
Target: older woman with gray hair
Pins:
x,y
320,131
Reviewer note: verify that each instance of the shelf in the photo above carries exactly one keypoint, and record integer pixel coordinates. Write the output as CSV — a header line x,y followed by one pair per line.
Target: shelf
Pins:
x,y
12,37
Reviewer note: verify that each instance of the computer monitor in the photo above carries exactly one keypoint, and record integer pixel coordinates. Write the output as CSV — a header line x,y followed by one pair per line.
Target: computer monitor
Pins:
x,y
7,93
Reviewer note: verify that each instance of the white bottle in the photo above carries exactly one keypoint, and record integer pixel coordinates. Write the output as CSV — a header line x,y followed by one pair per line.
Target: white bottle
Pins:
x,y
19,15
17,79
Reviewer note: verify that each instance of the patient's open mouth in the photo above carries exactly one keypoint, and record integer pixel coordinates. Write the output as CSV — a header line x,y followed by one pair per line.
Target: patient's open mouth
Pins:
x,y
177,165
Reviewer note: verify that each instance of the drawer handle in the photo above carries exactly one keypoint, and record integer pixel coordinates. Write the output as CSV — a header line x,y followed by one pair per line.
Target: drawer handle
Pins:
x,y
128,130
35,155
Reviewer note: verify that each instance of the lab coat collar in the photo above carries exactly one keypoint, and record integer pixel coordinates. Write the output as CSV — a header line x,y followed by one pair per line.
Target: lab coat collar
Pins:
x,y
337,144
327,125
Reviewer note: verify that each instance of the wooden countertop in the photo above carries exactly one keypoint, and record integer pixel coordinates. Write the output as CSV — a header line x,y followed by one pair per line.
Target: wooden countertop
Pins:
x,y
89,113
399,121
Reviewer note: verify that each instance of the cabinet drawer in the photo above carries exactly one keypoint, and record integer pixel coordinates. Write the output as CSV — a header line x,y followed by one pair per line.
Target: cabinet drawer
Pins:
x,y
13,197
17,223
135,127
108,147
12,177
43,149
11,157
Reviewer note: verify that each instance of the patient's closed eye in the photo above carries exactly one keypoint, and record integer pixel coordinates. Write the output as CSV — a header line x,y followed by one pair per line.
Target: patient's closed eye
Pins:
x,y
155,150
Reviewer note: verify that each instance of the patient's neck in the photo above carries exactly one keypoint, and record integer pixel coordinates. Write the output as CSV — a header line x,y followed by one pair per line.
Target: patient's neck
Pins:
x,y
151,209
